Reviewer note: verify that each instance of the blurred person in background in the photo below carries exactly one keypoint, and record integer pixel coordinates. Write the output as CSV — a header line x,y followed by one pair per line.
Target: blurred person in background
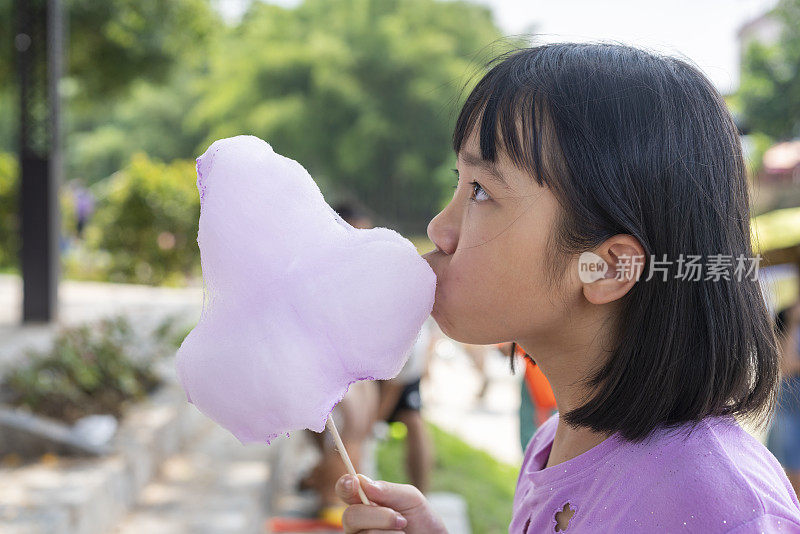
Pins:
x,y
783,439
84,205
354,417
400,400
478,354
537,402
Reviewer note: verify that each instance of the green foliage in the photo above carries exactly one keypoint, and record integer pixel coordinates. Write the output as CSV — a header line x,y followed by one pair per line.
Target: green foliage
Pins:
x,y
776,229
6,30
769,92
9,222
761,143
9,110
89,370
146,219
171,333
485,483
364,93
9,214
150,120
108,46
111,43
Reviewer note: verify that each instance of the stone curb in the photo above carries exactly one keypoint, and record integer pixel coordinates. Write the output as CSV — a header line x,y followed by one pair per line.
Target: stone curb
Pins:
x,y
90,495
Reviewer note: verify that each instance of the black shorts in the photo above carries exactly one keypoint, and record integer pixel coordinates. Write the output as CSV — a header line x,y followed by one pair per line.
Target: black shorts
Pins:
x,y
409,400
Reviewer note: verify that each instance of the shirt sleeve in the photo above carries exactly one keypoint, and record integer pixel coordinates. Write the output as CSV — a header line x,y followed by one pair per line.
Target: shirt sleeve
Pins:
x,y
768,523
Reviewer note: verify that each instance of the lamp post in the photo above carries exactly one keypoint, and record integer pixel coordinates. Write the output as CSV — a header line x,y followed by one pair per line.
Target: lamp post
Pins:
x,y
38,44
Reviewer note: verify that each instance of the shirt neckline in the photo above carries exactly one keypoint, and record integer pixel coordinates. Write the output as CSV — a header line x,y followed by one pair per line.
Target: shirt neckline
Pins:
x,y
573,466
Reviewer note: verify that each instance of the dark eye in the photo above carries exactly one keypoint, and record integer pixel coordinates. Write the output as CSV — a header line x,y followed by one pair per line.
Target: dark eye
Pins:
x,y
476,187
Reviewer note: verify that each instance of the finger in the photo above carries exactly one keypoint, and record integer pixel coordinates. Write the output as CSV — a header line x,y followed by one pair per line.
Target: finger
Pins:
x,y
361,517
400,497
346,489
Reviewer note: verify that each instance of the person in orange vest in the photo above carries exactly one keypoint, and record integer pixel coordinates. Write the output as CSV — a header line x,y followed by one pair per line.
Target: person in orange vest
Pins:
x,y
537,402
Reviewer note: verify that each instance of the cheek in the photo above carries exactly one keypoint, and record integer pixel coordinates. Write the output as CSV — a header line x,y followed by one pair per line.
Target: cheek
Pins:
x,y
530,294
472,299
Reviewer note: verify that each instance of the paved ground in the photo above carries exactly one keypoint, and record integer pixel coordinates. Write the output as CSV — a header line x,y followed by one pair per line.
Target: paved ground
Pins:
x,y
80,302
217,487
449,399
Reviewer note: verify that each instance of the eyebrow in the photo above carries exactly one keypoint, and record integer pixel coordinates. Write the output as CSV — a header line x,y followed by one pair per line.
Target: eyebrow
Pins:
x,y
475,161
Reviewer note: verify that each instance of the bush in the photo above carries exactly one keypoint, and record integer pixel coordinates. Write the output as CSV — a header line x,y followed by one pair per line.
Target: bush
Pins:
x,y
89,370
9,223
146,220
171,333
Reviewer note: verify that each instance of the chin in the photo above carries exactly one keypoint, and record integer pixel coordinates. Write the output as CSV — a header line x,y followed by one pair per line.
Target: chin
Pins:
x,y
454,333
444,324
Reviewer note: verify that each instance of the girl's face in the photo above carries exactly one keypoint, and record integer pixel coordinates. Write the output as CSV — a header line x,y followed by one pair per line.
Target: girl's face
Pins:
x,y
492,245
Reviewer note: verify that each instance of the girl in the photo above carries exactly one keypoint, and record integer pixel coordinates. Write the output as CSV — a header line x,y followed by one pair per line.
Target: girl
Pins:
x,y
594,181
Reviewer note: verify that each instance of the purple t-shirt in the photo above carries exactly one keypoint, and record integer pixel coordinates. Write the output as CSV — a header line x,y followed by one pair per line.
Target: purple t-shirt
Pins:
x,y
718,479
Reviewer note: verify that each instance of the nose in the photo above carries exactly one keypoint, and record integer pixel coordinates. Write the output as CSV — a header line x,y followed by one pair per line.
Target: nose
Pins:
x,y
443,231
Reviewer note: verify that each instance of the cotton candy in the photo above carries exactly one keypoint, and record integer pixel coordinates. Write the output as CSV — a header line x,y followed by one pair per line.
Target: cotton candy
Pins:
x,y
297,303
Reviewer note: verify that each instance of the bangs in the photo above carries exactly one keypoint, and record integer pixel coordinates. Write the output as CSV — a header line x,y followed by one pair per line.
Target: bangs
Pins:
x,y
509,110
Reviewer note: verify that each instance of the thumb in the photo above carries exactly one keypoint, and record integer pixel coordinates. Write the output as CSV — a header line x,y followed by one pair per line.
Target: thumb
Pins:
x,y
398,497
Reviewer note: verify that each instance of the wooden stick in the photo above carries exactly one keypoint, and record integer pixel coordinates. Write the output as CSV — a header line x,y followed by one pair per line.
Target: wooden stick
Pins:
x,y
345,457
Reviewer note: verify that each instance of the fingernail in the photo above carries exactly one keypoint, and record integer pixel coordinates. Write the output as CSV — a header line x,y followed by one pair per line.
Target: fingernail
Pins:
x,y
367,479
400,521
348,483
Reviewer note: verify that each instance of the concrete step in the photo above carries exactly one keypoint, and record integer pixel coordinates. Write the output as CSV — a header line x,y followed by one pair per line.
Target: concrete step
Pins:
x,y
216,486
67,495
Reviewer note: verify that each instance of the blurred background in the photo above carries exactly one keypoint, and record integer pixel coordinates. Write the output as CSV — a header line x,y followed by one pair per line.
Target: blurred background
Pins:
x,y
104,107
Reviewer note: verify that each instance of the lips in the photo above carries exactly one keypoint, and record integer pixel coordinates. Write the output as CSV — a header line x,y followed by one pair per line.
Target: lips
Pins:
x,y
434,257
428,256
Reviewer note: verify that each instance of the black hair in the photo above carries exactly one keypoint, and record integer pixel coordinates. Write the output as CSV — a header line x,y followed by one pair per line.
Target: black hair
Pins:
x,y
348,210
781,319
634,142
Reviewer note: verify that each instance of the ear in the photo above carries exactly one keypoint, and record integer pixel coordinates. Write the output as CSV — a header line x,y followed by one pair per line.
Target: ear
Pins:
x,y
624,256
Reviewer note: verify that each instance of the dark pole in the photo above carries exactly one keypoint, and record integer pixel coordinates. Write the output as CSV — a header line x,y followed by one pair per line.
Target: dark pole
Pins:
x,y
38,45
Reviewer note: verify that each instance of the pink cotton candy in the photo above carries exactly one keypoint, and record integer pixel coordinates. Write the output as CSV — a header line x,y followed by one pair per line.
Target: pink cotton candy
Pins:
x,y
297,303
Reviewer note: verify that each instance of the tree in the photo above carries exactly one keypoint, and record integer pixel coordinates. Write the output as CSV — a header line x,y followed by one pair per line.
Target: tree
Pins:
x,y
769,93
110,44
362,92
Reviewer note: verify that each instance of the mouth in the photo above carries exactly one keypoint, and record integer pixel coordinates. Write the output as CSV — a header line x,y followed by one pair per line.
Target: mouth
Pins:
x,y
429,255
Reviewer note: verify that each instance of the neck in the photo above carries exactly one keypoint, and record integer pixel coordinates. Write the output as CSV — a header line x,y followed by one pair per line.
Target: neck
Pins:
x,y
565,358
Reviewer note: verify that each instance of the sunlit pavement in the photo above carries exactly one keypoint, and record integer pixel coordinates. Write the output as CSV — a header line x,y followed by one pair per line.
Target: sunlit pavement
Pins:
x,y
80,302
449,399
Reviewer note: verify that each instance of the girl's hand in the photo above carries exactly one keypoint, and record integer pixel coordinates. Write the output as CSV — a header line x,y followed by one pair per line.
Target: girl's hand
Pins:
x,y
396,508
